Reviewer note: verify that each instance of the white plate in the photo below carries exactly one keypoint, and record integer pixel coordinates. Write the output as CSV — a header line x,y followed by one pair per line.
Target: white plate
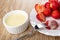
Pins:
x,y
34,21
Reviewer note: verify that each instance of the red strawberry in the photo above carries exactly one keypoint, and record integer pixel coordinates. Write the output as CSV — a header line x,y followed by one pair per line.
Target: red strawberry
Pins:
x,y
53,24
53,0
47,5
56,14
40,16
59,6
59,3
39,8
47,12
46,23
54,5
48,27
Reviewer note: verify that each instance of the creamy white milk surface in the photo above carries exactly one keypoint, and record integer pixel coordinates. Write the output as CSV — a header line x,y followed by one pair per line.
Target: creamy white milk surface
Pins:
x,y
15,19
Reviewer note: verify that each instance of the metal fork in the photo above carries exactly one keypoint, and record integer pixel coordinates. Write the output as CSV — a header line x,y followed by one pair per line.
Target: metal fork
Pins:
x,y
27,35
32,31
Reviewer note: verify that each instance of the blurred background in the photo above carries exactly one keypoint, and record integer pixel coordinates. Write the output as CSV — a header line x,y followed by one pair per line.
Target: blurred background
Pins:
x,y
26,5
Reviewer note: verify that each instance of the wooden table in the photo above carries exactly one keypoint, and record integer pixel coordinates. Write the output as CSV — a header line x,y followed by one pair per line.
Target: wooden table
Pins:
x,y
26,5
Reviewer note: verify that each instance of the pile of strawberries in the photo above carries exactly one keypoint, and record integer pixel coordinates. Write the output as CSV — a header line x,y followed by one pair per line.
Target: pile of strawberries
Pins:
x,y
49,9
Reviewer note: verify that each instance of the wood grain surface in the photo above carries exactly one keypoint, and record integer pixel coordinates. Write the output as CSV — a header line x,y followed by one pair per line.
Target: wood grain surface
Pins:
x,y
26,5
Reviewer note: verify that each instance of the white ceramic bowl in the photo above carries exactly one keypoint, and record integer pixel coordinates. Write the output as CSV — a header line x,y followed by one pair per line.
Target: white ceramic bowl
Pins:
x,y
19,28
